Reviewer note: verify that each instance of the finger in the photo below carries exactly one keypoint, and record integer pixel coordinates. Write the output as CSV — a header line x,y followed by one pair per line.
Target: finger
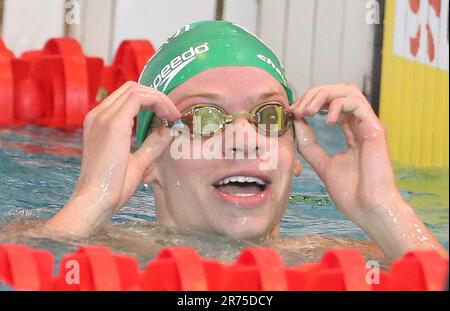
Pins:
x,y
324,97
335,115
357,106
153,146
334,111
135,91
357,118
309,148
93,113
114,96
340,119
304,100
134,87
146,100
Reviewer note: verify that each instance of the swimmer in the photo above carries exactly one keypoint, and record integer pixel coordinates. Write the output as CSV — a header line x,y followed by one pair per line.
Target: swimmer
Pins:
x,y
218,74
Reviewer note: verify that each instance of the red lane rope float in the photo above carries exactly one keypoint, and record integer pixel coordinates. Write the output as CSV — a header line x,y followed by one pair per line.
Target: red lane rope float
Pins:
x,y
348,269
6,86
58,85
26,268
55,87
99,269
189,267
28,103
28,107
49,76
76,80
131,57
181,268
419,271
177,268
256,269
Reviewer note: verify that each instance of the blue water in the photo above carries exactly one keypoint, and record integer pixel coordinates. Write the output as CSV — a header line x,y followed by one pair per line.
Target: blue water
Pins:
x,y
40,166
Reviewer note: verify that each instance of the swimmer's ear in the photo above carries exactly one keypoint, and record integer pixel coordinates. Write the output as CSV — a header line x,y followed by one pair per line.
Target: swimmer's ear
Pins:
x,y
298,167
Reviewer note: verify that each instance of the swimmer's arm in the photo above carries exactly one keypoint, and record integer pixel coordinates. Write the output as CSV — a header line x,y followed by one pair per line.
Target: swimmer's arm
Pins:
x,y
361,180
110,174
81,216
397,229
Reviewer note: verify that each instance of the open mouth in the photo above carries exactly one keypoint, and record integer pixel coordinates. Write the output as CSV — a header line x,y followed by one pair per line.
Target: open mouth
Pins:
x,y
243,189
241,186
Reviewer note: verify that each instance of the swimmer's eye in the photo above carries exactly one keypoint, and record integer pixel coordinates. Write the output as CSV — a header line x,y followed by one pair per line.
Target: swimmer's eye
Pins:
x,y
272,118
206,120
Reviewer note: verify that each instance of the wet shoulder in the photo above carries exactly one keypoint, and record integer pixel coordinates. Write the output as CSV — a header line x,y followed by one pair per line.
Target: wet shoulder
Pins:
x,y
313,247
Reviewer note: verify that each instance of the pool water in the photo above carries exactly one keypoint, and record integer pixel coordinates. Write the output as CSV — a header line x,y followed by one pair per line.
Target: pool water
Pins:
x,y
39,168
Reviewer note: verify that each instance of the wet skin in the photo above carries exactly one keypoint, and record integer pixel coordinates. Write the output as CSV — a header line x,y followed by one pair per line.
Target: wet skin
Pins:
x,y
360,181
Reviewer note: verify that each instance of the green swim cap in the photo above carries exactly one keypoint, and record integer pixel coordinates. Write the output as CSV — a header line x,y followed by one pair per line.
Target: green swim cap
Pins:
x,y
201,46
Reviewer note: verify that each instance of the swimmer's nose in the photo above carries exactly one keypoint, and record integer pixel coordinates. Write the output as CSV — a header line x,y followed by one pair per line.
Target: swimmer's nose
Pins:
x,y
242,122
241,140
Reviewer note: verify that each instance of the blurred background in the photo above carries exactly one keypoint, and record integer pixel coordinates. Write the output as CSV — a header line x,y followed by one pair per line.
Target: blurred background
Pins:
x,y
319,42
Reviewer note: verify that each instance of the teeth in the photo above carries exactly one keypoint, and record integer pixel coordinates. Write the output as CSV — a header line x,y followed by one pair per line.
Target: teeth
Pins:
x,y
242,179
244,195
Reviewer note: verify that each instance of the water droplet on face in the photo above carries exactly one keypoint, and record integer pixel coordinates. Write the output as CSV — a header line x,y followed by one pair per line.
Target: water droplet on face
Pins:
x,y
178,183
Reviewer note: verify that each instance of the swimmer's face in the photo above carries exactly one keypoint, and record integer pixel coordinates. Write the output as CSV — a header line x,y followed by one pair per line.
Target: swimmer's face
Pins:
x,y
211,195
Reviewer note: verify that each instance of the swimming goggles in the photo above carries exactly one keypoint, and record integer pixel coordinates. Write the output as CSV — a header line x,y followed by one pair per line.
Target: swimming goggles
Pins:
x,y
206,119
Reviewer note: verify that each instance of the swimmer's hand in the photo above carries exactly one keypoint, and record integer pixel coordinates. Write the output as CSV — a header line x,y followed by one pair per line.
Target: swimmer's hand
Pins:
x,y
360,180
110,174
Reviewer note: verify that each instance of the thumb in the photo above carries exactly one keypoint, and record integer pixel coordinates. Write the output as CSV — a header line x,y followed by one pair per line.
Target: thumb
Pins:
x,y
152,147
309,148
150,150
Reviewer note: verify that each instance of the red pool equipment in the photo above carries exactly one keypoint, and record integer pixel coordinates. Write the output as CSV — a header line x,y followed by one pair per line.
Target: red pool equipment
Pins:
x,y
131,57
181,268
6,86
58,85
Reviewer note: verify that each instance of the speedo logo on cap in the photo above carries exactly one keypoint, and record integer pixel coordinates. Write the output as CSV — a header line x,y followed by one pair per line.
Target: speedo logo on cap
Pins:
x,y
169,71
270,62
